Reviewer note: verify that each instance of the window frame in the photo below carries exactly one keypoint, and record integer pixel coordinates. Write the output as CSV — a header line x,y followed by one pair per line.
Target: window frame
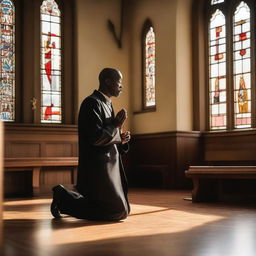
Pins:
x,y
17,35
146,26
27,49
228,9
61,67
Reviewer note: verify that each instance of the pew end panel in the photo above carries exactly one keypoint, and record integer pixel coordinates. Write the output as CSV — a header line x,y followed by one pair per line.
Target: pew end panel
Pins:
x,y
208,180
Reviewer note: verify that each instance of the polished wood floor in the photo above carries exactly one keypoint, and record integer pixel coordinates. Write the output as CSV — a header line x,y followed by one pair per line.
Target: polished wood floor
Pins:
x,y
161,223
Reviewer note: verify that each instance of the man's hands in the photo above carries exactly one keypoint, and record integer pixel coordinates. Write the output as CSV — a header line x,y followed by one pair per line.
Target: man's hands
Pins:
x,y
125,136
120,118
118,122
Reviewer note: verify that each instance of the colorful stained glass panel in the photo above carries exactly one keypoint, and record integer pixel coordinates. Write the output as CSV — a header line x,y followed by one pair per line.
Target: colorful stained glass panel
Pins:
x,y
50,63
242,66
217,70
7,61
150,68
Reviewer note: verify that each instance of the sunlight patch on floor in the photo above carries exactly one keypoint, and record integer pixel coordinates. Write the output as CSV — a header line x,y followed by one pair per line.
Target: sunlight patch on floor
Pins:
x,y
151,221
17,209
27,202
143,220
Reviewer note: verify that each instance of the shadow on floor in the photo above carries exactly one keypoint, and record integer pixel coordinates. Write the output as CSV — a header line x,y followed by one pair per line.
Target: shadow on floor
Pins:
x,y
229,237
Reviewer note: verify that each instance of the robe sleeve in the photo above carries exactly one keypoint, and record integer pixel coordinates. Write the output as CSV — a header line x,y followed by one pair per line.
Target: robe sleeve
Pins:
x,y
92,124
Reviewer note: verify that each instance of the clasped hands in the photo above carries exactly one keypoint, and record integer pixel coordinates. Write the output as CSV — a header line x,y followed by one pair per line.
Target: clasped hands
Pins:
x,y
118,122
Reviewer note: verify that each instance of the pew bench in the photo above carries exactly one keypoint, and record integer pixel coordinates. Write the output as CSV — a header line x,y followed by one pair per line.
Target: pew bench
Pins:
x,y
35,165
207,179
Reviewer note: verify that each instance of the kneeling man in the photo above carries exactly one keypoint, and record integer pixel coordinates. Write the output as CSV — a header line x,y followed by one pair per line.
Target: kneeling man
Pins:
x,y
101,183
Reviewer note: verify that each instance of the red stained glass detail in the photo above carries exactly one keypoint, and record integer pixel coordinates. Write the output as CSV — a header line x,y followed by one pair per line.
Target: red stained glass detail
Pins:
x,y
51,34
218,30
218,56
242,52
243,120
48,55
48,112
217,121
242,36
48,68
6,31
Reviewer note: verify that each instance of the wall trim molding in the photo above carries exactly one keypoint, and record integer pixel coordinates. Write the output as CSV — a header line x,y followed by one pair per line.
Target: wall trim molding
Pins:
x,y
168,134
229,133
11,128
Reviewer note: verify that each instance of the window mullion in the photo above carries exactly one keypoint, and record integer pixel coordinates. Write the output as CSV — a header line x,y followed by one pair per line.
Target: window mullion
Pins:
x,y
253,66
230,100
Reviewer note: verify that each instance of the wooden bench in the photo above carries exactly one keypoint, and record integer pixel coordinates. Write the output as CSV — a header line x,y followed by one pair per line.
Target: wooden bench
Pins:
x,y
206,179
35,165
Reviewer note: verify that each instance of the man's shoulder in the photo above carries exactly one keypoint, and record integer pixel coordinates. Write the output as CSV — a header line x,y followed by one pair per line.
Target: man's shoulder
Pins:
x,y
92,100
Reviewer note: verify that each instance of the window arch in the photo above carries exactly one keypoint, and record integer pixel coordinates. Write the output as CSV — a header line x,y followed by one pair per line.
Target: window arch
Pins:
x,y
231,86
148,66
7,60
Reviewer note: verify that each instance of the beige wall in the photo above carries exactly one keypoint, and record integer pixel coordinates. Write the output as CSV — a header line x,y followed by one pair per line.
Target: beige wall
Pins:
x,y
184,66
97,49
162,14
171,21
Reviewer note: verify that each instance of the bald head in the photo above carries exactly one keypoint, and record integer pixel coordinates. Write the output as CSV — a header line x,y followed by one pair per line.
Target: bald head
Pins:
x,y
110,82
108,73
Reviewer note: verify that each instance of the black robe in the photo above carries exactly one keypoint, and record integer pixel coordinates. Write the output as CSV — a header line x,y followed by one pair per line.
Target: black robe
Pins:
x,y
101,177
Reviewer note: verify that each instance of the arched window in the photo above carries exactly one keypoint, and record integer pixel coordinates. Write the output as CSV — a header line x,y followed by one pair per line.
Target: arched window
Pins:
x,y
232,71
33,88
50,62
7,60
242,66
217,71
148,60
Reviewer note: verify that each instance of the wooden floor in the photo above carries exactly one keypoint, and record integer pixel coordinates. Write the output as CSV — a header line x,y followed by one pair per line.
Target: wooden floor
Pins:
x,y
161,223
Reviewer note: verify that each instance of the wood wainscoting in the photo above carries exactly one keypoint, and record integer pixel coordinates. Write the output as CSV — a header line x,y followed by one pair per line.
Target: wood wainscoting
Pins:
x,y
154,160
33,141
160,159
230,147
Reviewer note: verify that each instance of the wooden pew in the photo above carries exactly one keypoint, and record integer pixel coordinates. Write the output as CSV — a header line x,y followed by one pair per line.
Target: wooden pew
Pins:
x,y
35,165
206,179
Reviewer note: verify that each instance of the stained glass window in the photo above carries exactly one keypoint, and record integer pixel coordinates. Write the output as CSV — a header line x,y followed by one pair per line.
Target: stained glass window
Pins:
x,y
50,63
217,71
242,66
7,60
150,68
213,2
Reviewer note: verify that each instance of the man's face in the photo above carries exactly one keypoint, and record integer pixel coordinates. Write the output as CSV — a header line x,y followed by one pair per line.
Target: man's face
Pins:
x,y
115,85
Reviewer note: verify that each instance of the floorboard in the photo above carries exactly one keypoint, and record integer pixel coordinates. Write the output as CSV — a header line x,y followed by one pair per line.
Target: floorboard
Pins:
x,y
161,223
